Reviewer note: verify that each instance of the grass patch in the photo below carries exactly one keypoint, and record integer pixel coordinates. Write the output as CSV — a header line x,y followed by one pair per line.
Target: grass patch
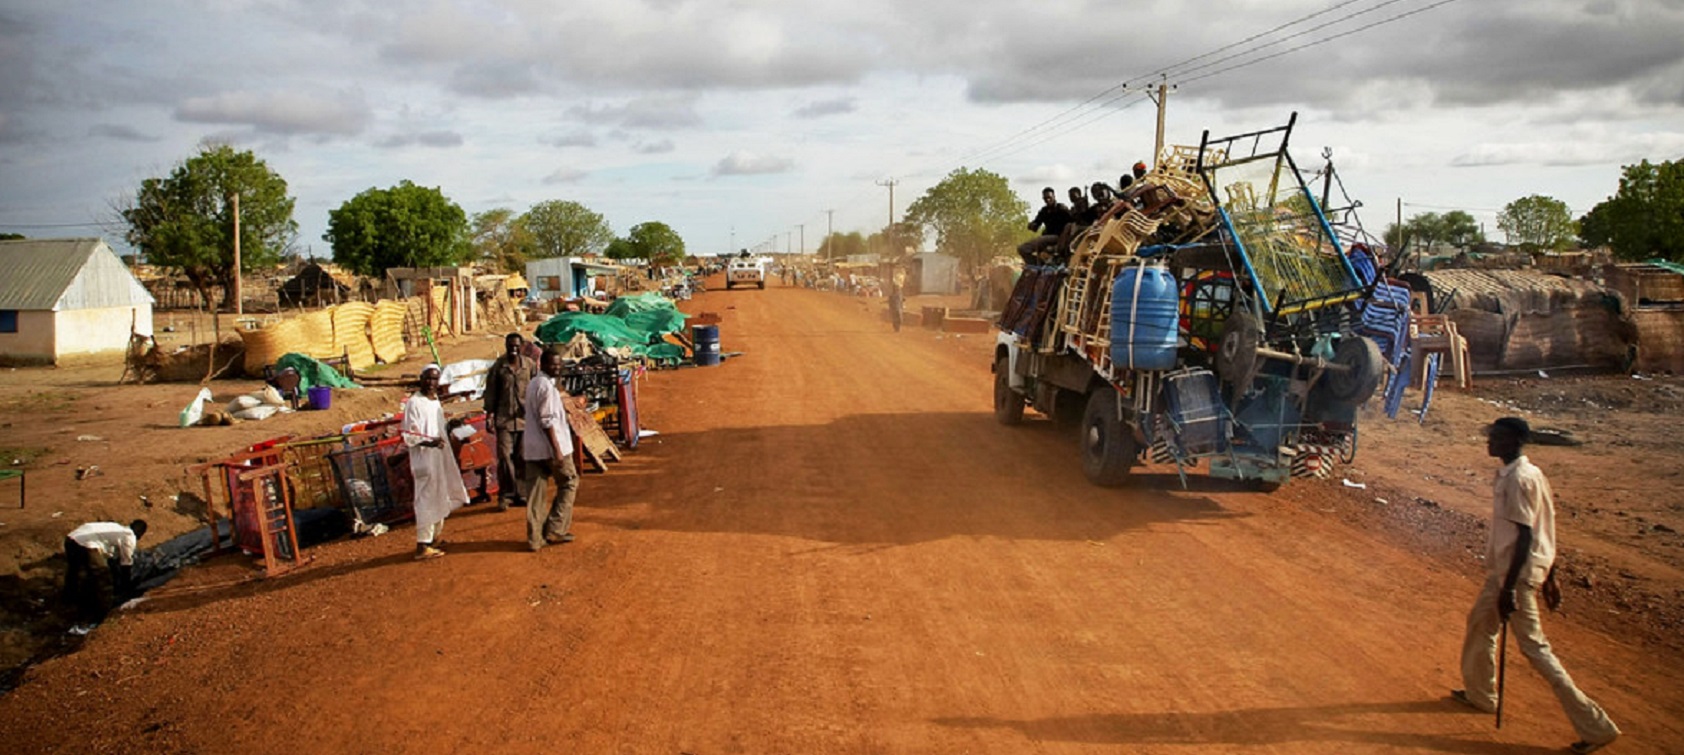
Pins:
x,y
21,454
39,402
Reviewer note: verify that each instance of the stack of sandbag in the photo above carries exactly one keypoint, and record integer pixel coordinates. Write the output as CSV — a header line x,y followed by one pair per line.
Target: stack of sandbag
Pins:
x,y
257,405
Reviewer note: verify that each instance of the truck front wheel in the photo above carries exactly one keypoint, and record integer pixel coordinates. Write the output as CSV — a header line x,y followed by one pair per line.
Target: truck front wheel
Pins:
x,y
762,285
1008,404
1108,447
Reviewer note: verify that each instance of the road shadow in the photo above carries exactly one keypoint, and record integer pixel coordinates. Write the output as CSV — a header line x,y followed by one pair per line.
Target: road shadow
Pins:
x,y
1257,727
894,479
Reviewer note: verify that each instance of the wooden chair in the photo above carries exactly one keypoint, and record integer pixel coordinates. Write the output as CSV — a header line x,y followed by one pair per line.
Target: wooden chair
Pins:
x,y
1430,334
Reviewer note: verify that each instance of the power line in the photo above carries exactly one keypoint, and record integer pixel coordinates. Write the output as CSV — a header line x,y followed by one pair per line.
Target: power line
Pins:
x,y
1324,40
53,225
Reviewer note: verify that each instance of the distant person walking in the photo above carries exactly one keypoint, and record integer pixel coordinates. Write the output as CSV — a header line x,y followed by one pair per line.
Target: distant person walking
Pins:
x,y
505,409
547,447
896,301
112,544
1519,556
438,481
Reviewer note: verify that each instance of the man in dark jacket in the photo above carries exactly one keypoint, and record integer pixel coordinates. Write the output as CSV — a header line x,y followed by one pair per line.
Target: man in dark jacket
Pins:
x,y
505,412
1050,222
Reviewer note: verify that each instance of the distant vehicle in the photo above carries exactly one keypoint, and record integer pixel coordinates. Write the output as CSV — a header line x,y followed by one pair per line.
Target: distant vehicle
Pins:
x,y
743,271
1217,317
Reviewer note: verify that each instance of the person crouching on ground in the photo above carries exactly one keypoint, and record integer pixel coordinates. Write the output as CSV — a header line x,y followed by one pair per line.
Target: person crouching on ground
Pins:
x,y
547,447
438,481
116,545
1518,558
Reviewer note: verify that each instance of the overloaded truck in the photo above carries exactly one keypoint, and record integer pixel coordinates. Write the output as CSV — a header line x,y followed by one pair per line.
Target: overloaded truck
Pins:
x,y
1215,317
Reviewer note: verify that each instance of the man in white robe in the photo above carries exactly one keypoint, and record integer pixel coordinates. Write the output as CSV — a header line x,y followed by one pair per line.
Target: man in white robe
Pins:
x,y
438,481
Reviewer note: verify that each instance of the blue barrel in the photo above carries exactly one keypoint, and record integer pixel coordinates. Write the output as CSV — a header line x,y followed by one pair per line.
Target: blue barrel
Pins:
x,y
321,396
1144,313
705,338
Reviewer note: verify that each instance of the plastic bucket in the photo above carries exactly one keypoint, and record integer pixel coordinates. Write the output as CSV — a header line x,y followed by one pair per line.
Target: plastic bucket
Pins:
x,y
321,396
705,339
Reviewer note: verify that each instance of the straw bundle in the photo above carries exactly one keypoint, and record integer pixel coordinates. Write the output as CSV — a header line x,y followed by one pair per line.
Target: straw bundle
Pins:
x,y
315,333
350,333
265,345
386,330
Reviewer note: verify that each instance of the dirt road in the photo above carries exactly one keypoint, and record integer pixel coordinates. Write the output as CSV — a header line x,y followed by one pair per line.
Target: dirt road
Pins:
x,y
831,547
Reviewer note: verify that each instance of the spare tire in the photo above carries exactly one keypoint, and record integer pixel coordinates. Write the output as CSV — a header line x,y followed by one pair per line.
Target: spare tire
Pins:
x,y
1367,367
1236,353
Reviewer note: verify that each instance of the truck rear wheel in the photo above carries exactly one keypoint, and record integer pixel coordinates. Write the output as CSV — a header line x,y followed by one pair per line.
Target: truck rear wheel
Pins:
x,y
1008,404
1108,447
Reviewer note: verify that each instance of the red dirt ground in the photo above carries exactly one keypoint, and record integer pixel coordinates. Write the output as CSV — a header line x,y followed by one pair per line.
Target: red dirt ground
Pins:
x,y
832,547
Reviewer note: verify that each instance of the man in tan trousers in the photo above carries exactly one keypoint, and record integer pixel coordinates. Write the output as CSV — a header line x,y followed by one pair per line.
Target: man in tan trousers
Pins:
x,y
1518,558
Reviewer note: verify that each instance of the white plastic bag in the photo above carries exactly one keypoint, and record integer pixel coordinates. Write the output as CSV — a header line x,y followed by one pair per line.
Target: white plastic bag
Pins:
x,y
195,411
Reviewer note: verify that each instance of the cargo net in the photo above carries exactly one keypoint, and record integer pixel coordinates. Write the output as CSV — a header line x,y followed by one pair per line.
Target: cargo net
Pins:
x,y
1295,264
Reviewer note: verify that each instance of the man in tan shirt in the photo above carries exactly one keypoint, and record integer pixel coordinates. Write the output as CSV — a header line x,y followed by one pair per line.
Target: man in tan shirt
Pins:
x,y
1518,558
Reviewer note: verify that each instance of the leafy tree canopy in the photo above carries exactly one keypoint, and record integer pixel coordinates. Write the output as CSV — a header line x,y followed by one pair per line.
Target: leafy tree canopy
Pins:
x,y
566,229
973,214
653,241
841,245
1538,221
404,226
1456,228
500,239
1645,218
186,219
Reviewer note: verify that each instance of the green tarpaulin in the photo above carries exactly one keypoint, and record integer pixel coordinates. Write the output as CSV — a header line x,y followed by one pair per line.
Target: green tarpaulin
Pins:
x,y
312,372
634,322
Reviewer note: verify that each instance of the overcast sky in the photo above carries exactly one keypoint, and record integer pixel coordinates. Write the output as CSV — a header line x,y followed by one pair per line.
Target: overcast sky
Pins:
x,y
737,122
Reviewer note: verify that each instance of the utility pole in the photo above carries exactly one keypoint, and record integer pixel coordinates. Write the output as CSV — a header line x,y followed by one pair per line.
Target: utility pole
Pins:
x,y
891,184
889,230
830,230
1162,99
788,241
239,298
803,228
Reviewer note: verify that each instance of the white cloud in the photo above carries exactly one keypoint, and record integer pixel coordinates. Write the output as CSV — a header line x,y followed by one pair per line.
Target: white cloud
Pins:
x,y
653,112
822,108
441,139
1571,152
116,131
748,164
288,113
659,147
572,139
565,176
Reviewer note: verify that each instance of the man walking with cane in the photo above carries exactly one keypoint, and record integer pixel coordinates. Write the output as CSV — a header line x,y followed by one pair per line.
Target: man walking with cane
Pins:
x,y
1518,558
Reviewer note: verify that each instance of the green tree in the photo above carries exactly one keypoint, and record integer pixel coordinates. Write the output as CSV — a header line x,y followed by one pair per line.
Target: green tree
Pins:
x,y
654,242
501,239
11,237
1460,229
841,245
404,226
1538,222
973,214
186,219
566,229
1645,218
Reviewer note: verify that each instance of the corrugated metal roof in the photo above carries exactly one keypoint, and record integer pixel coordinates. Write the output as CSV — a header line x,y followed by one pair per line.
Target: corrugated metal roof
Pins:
x,y
58,274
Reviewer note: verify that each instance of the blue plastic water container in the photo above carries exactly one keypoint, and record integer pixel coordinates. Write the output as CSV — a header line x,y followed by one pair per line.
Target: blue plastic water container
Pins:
x,y
705,342
1145,306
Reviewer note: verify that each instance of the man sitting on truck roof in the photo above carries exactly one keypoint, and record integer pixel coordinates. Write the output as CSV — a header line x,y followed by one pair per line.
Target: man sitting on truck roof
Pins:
x,y
1050,221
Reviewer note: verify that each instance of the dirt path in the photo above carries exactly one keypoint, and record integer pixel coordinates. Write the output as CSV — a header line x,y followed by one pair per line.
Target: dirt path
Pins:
x,y
831,547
